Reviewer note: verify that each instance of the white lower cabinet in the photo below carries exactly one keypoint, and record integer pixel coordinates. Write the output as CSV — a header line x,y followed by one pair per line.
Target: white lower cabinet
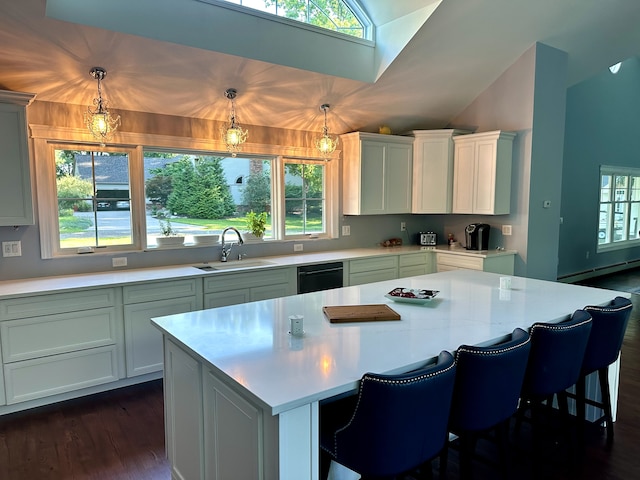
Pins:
x,y
222,289
183,414
413,264
59,343
143,342
503,264
373,269
213,432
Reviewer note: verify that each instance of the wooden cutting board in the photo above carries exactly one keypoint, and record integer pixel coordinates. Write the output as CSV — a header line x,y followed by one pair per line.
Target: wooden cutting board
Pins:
x,y
360,313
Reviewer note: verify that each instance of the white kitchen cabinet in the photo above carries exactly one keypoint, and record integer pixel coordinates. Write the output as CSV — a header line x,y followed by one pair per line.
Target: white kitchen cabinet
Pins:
x,y
184,428
374,269
58,343
482,173
432,190
222,289
16,205
496,263
412,264
143,342
377,173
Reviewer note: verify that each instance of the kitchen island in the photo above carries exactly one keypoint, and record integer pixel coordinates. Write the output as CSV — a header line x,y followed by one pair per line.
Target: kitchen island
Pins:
x,y
242,395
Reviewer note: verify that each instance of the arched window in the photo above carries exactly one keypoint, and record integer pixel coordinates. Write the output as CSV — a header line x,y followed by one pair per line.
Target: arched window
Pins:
x,y
343,16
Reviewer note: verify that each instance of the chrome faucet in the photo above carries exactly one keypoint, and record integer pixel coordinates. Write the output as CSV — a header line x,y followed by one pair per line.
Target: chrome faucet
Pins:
x,y
227,249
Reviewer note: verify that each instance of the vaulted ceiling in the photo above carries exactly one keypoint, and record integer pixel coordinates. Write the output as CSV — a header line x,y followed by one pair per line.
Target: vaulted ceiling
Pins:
x,y
453,56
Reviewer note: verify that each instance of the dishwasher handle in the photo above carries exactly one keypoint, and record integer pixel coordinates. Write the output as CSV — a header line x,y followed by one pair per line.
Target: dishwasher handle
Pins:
x,y
316,272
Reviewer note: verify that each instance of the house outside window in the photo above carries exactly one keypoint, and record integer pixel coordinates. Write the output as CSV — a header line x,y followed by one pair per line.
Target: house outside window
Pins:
x,y
619,212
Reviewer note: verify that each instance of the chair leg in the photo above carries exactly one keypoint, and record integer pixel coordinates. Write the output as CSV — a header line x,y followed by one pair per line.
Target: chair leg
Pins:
x,y
467,448
503,440
325,464
581,408
444,459
603,377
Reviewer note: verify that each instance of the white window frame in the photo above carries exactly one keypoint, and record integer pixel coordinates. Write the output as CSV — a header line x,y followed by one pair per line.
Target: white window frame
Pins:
x,y
47,139
621,244
354,6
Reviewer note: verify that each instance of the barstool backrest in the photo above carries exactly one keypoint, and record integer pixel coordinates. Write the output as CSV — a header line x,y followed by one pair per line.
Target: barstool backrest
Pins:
x,y
607,332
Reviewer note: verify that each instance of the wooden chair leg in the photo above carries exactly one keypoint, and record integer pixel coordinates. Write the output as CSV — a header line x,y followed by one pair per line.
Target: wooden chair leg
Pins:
x,y
581,415
603,377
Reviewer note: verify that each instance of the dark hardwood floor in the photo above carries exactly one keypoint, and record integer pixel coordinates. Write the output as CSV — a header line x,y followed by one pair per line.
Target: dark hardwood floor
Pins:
x,y
119,435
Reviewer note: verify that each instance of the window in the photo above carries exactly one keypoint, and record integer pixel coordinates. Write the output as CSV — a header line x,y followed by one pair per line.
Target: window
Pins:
x,y
339,16
304,198
107,199
619,207
92,199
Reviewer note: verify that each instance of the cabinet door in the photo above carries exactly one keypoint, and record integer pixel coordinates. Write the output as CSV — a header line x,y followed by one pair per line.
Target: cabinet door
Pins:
x,y
398,174
372,188
184,432
463,178
143,342
485,182
16,205
432,176
233,434
269,291
229,297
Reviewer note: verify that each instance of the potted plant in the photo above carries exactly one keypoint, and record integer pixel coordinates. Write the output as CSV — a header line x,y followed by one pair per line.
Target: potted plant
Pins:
x,y
168,237
256,226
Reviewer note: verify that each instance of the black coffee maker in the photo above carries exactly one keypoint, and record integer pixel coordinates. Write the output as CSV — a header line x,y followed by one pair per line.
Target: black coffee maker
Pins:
x,y
477,236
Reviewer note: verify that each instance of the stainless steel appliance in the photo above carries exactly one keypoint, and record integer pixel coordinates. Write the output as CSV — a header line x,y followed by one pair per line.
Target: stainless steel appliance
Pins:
x,y
427,238
477,236
323,276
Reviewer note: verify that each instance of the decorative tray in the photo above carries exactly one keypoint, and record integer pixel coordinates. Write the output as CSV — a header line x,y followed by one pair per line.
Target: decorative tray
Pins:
x,y
411,295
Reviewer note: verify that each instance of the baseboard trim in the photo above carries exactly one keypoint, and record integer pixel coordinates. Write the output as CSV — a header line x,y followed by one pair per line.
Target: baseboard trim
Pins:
x,y
599,271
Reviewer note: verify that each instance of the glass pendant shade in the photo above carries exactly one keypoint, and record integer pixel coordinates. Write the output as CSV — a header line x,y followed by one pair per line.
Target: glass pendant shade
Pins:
x,y
99,121
233,135
326,144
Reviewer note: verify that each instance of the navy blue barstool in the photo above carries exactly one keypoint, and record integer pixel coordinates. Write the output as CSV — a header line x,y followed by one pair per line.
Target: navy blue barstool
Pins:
x,y
555,362
486,394
394,424
605,342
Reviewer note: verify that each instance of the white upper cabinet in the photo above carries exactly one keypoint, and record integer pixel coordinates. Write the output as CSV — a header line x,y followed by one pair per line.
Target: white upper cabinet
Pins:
x,y
482,173
377,173
433,170
16,205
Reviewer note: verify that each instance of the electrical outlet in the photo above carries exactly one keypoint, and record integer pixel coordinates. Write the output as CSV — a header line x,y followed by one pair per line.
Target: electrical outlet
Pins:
x,y
298,247
403,226
346,230
119,262
12,249
506,229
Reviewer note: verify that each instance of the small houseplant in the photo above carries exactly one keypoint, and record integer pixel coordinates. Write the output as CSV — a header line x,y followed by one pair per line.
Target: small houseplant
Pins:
x,y
168,235
256,225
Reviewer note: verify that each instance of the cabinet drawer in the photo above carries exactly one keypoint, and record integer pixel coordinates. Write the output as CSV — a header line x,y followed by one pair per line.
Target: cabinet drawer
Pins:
x,y
62,373
64,332
149,292
57,303
217,282
370,277
413,259
371,264
413,271
223,299
460,261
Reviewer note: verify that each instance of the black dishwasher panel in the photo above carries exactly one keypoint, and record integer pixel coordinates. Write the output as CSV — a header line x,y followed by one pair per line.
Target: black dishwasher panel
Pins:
x,y
323,276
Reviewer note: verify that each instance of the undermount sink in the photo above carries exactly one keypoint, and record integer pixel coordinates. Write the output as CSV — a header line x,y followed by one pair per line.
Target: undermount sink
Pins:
x,y
235,265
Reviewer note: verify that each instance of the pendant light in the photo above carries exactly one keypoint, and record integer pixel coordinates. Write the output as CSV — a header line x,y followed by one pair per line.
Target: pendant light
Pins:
x,y
326,144
233,136
99,121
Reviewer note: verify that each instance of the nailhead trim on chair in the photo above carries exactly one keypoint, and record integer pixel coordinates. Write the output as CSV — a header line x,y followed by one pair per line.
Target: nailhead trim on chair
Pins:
x,y
608,309
491,352
558,326
382,380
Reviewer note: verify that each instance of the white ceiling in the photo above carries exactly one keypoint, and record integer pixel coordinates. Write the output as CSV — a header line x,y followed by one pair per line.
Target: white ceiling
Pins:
x,y
461,49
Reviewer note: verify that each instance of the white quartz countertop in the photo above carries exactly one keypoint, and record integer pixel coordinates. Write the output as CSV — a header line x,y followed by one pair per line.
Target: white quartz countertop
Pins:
x,y
35,286
249,344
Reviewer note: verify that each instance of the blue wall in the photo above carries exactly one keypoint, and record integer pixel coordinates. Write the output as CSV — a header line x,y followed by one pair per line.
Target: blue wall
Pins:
x,y
601,128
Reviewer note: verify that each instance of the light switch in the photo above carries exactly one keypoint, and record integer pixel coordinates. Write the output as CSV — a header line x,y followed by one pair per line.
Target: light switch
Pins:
x,y
12,249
